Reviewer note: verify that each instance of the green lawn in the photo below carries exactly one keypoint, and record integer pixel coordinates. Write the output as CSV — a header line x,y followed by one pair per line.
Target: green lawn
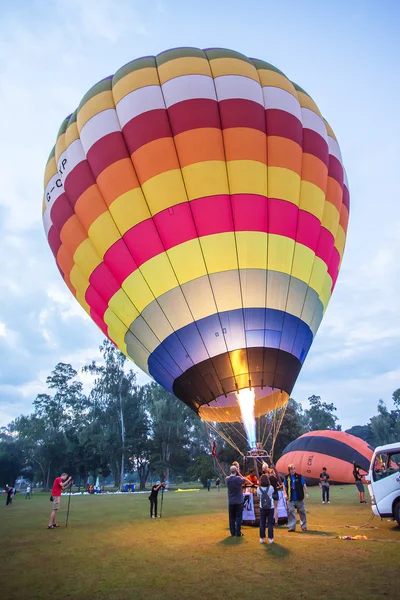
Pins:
x,y
112,549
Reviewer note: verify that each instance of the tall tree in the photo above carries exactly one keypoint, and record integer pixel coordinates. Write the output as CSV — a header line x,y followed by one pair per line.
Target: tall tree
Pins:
x,y
320,415
385,425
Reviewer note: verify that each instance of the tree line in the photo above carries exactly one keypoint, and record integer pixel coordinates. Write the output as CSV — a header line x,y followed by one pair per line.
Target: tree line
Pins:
x,y
120,429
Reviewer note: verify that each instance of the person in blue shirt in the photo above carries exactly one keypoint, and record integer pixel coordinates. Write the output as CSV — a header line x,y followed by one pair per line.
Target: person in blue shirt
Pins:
x,y
296,490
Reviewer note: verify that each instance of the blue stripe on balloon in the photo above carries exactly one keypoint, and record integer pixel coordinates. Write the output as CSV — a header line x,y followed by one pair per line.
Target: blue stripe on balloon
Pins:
x,y
235,329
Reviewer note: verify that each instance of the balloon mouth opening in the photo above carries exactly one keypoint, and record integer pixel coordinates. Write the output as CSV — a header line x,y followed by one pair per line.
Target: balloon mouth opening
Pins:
x,y
226,408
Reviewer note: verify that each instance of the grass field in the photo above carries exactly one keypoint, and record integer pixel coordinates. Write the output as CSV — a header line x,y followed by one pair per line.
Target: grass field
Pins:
x,y
112,549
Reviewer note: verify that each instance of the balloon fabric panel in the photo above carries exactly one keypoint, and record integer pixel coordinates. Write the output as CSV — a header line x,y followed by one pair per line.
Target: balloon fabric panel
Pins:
x,y
197,207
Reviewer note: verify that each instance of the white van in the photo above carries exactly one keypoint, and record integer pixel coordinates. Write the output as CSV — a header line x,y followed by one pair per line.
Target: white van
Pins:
x,y
384,481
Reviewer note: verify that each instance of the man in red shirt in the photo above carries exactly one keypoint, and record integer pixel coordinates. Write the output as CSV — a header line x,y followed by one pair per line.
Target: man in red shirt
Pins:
x,y
59,485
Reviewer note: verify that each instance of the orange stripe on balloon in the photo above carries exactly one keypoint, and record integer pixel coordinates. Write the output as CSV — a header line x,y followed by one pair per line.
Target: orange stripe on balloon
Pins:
x,y
344,218
243,143
334,193
72,235
198,145
283,152
117,179
155,158
65,260
90,206
314,171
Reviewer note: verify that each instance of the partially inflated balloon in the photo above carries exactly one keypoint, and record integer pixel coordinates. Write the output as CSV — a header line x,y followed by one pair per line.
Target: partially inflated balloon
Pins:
x,y
197,207
335,450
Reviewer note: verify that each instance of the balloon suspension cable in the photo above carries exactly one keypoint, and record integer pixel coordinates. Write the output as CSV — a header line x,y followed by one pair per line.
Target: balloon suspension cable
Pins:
x,y
225,437
231,429
214,455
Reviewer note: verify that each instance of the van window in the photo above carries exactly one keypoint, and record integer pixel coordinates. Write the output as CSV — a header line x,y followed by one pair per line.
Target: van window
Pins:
x,y
380,470
393,463
385,465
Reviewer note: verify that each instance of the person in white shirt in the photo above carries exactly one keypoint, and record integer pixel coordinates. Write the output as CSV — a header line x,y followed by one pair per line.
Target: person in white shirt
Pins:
x,y
28,493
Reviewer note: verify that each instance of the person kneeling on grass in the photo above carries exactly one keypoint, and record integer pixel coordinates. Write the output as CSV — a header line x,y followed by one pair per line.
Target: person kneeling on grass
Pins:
x,y
265,492
296,489
153,499
59,485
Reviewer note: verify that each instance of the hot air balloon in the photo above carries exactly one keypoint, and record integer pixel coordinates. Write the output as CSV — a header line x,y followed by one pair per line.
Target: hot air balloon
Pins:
x,y
335,450
197,207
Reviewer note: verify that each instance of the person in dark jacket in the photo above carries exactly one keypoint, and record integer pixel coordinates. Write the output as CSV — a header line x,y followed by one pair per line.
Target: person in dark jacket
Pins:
x,y
234,484
296,490
154,498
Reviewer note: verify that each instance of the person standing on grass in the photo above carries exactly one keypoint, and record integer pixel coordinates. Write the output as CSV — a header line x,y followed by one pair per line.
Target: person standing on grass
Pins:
x,y
208,484
324,480
217,483
59,485
10,495
154,498
359,484
276,482
28,493
235,501
265,492
296,489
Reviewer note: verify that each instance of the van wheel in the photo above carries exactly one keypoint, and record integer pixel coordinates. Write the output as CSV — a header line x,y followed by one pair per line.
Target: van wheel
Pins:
x,y
396,512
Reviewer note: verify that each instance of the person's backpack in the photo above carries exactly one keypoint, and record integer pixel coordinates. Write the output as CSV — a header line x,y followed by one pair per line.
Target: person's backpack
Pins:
x,y
265,499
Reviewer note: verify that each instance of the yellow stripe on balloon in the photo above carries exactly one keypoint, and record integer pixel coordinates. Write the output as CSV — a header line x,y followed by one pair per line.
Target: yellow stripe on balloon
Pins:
x,y
252,247
129,209
86,257
51,169
283,184
280,253
81,284
61,146
340,240
137,289
187,261
103,233
71,134
164,190
116,329
330,219
94,106
273,79
122,305
312,199
219,252
233,66
159,274
247,177
303,261
307,102
206,178
186,65
134,81
317,278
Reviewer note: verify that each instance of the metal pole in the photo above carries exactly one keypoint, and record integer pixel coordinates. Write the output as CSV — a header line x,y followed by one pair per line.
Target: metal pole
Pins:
x,y
162,500
69,502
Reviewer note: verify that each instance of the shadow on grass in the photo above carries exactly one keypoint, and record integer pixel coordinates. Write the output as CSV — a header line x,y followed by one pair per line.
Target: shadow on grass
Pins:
x,y
276,551
231,540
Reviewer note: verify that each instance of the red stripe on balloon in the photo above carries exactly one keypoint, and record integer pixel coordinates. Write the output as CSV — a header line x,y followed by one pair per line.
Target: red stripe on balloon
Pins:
x,y
145,128
194,114
104,282
335,170
346,198
314,144
175,225
283,124
78,181
61,211
107,150
119,261
54,241
143,241
308,229
238,112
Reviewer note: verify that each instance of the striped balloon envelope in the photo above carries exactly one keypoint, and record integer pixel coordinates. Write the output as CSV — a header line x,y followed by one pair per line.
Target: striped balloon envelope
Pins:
x,y
335,450
197,207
